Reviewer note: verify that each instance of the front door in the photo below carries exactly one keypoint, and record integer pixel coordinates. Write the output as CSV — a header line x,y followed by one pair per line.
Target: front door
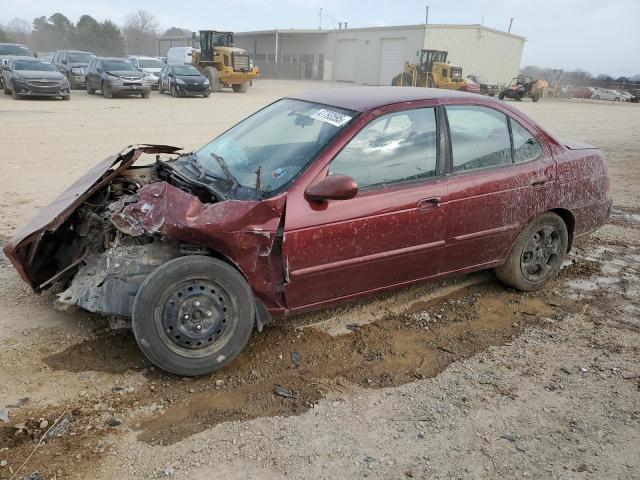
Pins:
x,y
391,233
493,189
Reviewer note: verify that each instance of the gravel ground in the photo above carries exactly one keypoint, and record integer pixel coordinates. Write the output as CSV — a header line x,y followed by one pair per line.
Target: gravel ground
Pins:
x,y
459,379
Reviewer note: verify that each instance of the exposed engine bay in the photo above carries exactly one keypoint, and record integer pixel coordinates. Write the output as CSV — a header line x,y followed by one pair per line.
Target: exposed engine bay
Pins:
x,y
134,219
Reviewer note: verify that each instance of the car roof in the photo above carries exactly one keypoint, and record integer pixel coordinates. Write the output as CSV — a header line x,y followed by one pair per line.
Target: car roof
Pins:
x,y
76,51
361,99
16,44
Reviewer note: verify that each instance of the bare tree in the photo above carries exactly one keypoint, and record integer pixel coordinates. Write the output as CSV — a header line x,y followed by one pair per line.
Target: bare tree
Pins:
x,y
141,32
18,30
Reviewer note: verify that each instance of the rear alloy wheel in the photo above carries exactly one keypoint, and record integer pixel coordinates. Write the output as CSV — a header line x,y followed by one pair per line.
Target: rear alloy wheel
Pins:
x,y
537,254
193,315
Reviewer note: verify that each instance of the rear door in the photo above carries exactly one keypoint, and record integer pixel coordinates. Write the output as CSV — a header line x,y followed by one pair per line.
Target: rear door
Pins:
x,y
499,178
391,233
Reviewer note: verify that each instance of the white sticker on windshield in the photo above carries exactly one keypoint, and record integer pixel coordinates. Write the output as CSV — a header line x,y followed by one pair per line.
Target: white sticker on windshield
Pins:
x,y
336,119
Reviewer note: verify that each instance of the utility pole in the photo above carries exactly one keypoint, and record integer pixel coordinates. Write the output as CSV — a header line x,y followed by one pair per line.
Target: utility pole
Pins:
x,y
510,23
426,18
320,15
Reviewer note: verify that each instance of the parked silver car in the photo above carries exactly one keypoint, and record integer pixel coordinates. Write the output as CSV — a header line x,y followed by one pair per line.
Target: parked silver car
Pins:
x,y
149,65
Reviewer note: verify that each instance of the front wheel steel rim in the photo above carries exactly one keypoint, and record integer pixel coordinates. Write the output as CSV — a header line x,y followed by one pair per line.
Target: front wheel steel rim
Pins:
x,y
196,317
541,254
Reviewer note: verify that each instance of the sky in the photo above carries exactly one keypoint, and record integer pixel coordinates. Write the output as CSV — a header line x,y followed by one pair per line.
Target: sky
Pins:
x,y
599,36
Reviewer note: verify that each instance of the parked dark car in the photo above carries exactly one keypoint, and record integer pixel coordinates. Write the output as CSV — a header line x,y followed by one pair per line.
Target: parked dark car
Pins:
x,y
8,50
486,87
316,199
116,76
73,65
182,81
31,77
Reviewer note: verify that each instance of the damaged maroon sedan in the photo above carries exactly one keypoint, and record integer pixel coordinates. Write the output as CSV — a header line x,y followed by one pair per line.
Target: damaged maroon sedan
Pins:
x,y
316,199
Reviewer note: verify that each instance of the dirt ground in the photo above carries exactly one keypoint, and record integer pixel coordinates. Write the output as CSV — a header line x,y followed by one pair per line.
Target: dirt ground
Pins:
x,y
459,379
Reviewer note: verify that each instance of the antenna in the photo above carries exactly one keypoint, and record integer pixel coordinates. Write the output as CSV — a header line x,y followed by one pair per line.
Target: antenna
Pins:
x,y
510,23
426,17
320,15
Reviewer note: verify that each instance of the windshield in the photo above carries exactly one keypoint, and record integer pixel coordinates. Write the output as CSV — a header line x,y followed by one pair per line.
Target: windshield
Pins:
x,y
186,70
279,141
34,66
15,50
150,63
116,66
79,57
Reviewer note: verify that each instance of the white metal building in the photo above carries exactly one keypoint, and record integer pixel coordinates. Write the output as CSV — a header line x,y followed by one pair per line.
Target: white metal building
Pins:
x,y
373,56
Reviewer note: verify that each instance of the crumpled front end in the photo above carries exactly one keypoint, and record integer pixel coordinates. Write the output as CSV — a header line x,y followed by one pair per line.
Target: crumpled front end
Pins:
x,y
100,239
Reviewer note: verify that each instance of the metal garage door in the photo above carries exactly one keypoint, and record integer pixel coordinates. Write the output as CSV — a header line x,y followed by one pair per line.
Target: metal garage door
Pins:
x,y
346,61
391,59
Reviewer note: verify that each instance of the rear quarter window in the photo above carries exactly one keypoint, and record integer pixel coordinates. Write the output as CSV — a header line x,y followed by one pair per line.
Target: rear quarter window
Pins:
x,y
525,147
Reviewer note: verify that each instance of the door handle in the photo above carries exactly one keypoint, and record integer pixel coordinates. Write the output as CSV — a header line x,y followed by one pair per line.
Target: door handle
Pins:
x,y
538,181
427,204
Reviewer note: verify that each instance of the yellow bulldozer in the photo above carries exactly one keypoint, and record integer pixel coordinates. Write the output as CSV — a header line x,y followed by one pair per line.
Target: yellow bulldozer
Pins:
x,y
222,63
433,71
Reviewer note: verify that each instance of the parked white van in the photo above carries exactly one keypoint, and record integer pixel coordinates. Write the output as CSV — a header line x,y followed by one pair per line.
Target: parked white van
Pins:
x,y
179,55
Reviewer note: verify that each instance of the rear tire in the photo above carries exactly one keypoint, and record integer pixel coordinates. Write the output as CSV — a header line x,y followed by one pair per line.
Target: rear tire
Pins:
x,y
536,255
501,95
240,87
214,78
193,315
90,91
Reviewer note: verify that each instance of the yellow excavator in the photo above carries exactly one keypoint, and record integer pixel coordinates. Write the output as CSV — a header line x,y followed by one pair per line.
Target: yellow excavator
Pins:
x,y
222,63
434,71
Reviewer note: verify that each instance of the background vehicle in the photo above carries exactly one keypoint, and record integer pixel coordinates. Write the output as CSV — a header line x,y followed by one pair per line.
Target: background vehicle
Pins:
x,y
116,76
520,87
271,218
183,80
32,77
605,94
12,50
486,87
179,55
433,71
73,64
222,63
149,65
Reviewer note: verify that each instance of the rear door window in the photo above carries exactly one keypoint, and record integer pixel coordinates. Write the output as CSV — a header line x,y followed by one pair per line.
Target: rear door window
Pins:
x,y
479,137
393,148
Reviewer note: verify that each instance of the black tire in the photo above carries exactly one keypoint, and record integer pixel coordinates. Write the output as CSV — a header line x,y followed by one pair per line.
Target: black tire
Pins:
x,y
160,90
214,78
90,91
166,326
145,94
72,82
174,91
106,90
240,87
535,98
6,90
66,97
14,93
537,254
501,96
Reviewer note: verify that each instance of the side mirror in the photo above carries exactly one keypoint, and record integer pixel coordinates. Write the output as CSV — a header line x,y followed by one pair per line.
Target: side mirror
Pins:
x,y
332,187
